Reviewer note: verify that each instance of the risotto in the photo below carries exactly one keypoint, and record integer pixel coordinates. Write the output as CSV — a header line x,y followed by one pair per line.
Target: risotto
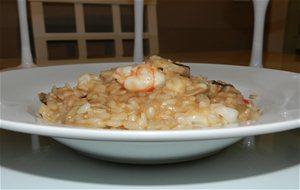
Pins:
x,y
157,94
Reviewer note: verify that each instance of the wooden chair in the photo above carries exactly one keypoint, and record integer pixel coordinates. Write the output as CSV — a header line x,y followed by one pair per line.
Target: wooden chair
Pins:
x,y
82,38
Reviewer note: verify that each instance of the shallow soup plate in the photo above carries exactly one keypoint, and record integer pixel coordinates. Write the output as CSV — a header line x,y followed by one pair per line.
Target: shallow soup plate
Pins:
x,y
277,96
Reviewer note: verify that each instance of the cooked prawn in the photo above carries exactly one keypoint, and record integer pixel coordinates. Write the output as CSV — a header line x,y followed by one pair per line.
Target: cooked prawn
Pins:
x,y
141,78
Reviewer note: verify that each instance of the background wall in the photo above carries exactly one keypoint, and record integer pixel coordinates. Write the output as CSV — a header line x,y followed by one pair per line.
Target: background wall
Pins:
x,y
9,31
276,25
204,25
183,26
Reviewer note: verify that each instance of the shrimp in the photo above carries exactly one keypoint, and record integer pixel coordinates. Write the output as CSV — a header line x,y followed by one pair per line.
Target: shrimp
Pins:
x,y
140,78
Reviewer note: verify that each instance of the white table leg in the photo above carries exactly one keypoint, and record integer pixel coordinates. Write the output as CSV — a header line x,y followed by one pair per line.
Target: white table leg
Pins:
x,y
26,55
138,54
35,143
260,9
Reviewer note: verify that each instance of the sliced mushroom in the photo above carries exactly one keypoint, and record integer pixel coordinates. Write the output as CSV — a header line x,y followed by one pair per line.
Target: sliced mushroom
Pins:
x,y
43,97
168,65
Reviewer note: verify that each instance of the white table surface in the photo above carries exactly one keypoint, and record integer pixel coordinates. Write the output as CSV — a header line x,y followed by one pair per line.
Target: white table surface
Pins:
x,y
272,162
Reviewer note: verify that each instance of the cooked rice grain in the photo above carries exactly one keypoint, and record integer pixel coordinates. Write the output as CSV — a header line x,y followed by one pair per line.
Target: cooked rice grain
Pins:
x,y
182,103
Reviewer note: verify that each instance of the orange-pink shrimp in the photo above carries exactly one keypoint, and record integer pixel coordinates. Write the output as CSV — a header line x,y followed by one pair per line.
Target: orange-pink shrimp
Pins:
x,y
141,78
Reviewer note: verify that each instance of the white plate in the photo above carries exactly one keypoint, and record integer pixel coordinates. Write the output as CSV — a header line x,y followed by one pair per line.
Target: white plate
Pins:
x,y
278,96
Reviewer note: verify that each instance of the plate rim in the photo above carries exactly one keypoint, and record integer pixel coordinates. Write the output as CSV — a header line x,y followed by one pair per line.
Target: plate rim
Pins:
x,y
147,135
